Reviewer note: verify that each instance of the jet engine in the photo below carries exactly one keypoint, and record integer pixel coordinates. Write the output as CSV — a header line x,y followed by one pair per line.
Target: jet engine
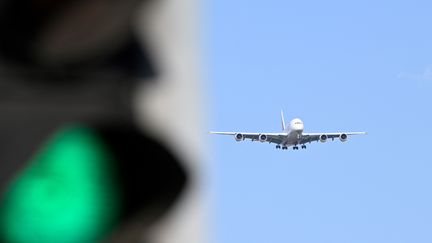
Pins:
x,y
239,137
323,138
262,138
343,137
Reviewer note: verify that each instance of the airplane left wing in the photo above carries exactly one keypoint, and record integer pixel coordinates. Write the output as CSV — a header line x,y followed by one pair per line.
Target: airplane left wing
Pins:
x,y
343,136
262,137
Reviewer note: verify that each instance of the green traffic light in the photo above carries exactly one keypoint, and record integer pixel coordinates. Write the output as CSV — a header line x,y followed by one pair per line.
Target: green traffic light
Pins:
x,y
66,194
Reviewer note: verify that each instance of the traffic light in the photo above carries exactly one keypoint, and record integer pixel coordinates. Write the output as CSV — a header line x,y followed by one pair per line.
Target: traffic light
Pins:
x,y
74,165
68,182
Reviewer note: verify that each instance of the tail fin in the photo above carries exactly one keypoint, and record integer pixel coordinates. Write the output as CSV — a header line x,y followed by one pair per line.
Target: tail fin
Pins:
x,y
283,121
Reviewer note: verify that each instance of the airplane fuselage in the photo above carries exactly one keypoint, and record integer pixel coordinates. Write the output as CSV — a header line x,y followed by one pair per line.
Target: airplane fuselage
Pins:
x,y
293,132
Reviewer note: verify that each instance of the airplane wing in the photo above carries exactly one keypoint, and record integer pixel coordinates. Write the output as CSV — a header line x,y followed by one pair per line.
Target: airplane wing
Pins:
x,y
276,138
310,137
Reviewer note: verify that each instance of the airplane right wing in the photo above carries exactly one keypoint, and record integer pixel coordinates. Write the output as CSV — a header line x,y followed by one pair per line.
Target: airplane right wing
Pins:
x,y
276,138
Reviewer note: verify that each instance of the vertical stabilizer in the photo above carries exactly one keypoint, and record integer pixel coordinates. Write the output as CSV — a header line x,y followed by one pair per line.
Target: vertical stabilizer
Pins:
x,y
283,121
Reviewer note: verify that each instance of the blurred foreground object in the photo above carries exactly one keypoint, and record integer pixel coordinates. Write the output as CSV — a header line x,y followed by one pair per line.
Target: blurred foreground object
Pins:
x,y
67,192
77,160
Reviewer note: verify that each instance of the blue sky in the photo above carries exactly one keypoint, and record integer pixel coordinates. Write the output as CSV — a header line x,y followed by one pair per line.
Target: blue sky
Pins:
x,y
338,65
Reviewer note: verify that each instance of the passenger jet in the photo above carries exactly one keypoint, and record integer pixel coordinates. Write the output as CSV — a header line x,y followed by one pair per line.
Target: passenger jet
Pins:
x,y
292,135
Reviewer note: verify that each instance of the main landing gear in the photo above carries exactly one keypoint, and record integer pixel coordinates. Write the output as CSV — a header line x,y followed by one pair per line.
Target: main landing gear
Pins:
x,y
294,148
297,148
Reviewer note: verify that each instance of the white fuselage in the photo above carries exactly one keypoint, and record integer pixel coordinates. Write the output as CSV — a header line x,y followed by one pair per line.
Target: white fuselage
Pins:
x,y
293,131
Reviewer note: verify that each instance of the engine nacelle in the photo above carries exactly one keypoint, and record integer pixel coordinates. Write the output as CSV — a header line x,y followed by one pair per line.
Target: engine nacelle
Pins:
x,y
262,138
323,138
239,137
343,137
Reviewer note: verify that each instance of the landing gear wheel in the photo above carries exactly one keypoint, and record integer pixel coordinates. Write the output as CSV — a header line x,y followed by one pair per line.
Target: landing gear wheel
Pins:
x,y
278,147
303,146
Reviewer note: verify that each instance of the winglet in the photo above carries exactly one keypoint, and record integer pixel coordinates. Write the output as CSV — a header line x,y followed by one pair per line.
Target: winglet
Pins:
x,y
283,121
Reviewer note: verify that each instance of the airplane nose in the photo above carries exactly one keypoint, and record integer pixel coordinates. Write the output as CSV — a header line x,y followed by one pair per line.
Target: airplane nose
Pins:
x,y
299,127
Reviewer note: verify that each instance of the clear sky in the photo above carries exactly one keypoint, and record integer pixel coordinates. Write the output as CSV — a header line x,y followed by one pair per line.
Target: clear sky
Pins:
x,y
339,66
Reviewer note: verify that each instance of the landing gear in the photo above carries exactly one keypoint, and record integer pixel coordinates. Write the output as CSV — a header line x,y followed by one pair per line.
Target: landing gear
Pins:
x,y
281,147
295,147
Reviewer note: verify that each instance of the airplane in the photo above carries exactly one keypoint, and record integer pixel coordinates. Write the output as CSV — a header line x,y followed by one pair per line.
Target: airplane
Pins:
x,y
291,135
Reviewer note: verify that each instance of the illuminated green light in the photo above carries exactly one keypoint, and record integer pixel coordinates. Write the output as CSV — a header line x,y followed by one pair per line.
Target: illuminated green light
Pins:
x,y
67,193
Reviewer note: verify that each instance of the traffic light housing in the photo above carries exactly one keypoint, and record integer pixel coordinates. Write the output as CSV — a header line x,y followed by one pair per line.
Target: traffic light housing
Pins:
x,y
75,166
